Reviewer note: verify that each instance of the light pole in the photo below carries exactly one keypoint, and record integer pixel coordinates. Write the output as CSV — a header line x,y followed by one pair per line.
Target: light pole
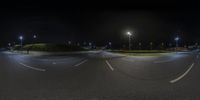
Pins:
x,y
129,39
21,40
69,42
151,45
176,39
34,37
110,44
162,45
90,45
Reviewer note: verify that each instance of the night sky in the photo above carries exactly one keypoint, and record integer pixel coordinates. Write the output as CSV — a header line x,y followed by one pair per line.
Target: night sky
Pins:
x,y
99,22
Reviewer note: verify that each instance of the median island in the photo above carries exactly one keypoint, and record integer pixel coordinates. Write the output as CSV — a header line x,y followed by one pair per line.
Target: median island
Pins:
x,y
142,52
47,49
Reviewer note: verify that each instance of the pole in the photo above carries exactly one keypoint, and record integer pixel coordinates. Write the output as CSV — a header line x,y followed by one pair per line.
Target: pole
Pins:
x,y
129,42
176,45
21,43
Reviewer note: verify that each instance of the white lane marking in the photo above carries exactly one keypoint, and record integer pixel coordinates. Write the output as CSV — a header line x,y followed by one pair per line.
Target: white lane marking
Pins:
x,y
81,63
54,63
34,68
109,65
180,77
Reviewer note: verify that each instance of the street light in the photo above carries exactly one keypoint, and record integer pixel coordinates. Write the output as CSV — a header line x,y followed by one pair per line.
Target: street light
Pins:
x,y
90,45
176,39
151,44
162,45
129,38
34,36
110,44
69,42
21,39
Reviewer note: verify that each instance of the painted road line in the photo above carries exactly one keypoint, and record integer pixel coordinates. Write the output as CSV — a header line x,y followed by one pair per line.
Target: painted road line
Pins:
x,y
34,68
184,74
81,63
109,65
54,63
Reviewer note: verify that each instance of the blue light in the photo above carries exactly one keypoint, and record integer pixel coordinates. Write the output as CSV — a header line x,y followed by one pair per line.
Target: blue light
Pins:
x,y
176,39
34,36
21,37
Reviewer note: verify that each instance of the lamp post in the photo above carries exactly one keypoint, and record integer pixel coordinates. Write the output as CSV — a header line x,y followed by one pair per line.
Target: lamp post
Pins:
x,y
69,42
21,40
90,45
34,38
176,39
110,44
151,45
162,45
129,39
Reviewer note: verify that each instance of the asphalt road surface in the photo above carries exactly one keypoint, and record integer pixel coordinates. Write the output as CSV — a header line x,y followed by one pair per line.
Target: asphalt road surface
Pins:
x,y
100,75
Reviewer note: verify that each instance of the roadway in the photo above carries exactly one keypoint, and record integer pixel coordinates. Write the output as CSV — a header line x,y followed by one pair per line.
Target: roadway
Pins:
x,y
100,75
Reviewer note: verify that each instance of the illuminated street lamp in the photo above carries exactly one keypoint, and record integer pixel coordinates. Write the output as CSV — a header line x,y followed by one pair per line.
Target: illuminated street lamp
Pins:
x,y
21,39
176,39
129,38
34,36
110,44
69,42
90,45
151,45
162,45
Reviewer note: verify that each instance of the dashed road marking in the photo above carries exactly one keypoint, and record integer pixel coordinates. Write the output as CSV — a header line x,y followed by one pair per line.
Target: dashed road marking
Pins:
x,y
54,63
81,62
184,74
109,65
34,68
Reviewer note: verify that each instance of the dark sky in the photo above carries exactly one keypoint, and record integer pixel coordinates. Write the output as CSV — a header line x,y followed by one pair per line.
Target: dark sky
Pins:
x,y
99,21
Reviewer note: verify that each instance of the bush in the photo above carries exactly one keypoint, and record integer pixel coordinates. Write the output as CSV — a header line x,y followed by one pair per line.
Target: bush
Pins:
x,y
17,47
